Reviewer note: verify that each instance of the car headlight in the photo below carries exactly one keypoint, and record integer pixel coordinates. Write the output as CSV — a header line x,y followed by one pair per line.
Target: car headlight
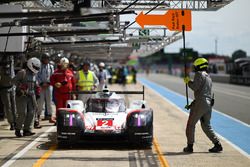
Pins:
x,y
140,119
70,119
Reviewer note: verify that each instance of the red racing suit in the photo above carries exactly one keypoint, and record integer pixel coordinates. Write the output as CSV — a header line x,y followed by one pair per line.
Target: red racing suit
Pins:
x,y
67,80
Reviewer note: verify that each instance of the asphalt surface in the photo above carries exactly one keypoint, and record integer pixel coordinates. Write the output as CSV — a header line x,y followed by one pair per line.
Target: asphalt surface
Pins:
x,y
169,139
233,100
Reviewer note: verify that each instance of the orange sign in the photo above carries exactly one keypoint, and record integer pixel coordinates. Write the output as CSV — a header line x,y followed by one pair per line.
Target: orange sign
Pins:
x,y
174,20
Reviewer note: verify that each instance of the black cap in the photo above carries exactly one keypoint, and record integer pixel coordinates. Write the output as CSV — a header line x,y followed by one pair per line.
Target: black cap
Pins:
x,y
86,63
45,56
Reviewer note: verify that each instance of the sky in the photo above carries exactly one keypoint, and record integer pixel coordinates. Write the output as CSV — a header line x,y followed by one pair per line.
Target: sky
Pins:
x,y
230,25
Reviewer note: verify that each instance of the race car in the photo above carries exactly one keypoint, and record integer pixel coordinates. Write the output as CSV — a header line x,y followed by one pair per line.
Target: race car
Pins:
x,y
106,116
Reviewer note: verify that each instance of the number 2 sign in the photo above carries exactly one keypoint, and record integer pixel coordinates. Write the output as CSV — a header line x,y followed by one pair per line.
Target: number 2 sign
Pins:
x,y
104,122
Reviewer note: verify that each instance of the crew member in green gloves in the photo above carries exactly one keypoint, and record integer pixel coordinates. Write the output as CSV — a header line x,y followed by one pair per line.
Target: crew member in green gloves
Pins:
x,y
201,107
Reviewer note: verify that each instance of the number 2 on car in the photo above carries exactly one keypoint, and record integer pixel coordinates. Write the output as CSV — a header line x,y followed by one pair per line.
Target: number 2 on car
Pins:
x,y
104,122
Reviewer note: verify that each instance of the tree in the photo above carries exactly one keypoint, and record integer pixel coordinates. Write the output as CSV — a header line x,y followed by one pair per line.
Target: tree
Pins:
x,y
239,54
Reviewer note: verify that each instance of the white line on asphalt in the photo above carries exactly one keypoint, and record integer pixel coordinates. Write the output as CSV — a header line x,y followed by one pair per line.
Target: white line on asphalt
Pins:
x,y
228,116
238,89
231,93
27,148
227,141
234,146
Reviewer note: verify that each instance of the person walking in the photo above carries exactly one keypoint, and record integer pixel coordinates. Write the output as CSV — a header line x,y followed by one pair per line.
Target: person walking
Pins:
x,y
86,81
201,107
26,92
102,76
43,78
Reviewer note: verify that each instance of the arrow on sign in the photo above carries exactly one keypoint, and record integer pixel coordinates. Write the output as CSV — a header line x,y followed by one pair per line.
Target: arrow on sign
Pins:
x,y
174,20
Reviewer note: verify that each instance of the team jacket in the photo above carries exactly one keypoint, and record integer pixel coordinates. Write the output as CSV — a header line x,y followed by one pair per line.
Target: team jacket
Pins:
x,y
66,78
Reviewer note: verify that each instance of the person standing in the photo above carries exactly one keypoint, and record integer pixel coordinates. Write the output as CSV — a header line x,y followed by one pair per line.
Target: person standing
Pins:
x,y
86,81
63,82
133,72
7,94
201,107
111,73
125,73
102,76
26,92
43,78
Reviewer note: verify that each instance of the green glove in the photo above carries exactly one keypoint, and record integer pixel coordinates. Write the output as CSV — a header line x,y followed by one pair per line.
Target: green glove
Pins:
x,y
186,79
187,106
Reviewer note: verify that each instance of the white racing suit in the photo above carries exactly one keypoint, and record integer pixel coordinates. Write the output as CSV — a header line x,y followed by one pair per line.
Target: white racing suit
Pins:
x,y
201,108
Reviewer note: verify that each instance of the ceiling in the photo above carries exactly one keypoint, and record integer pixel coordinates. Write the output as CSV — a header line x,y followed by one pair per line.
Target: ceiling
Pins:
x,y
94,29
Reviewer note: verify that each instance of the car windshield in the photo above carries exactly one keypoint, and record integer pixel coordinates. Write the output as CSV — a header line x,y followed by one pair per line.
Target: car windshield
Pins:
x,y
105,105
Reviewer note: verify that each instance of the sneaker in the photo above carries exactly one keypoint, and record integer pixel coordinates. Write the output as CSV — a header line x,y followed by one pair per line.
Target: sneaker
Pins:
x,y
188,149
217,148
52,120
37,125
18,133
28,133
12,126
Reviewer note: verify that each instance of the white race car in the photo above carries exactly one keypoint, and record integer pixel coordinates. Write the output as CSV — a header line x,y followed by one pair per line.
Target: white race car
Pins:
x,y
106,116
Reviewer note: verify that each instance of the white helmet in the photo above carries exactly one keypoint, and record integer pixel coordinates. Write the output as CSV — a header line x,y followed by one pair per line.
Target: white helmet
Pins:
x,y
101,64
34,64
64,60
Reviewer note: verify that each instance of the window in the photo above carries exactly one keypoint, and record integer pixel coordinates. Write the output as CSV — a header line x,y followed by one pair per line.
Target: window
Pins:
x,y
105,105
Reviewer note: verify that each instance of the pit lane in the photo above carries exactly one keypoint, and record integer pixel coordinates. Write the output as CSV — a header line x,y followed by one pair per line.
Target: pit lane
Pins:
x,y
169,130
44,151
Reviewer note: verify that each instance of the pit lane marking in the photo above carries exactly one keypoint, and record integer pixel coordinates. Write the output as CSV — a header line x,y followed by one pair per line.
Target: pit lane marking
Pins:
x,y
224,91
161,157
27,148
45,156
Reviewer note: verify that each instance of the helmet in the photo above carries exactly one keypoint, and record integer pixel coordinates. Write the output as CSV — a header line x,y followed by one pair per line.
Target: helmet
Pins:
x,y
45,56
101,64
200,64
34,64
64,61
